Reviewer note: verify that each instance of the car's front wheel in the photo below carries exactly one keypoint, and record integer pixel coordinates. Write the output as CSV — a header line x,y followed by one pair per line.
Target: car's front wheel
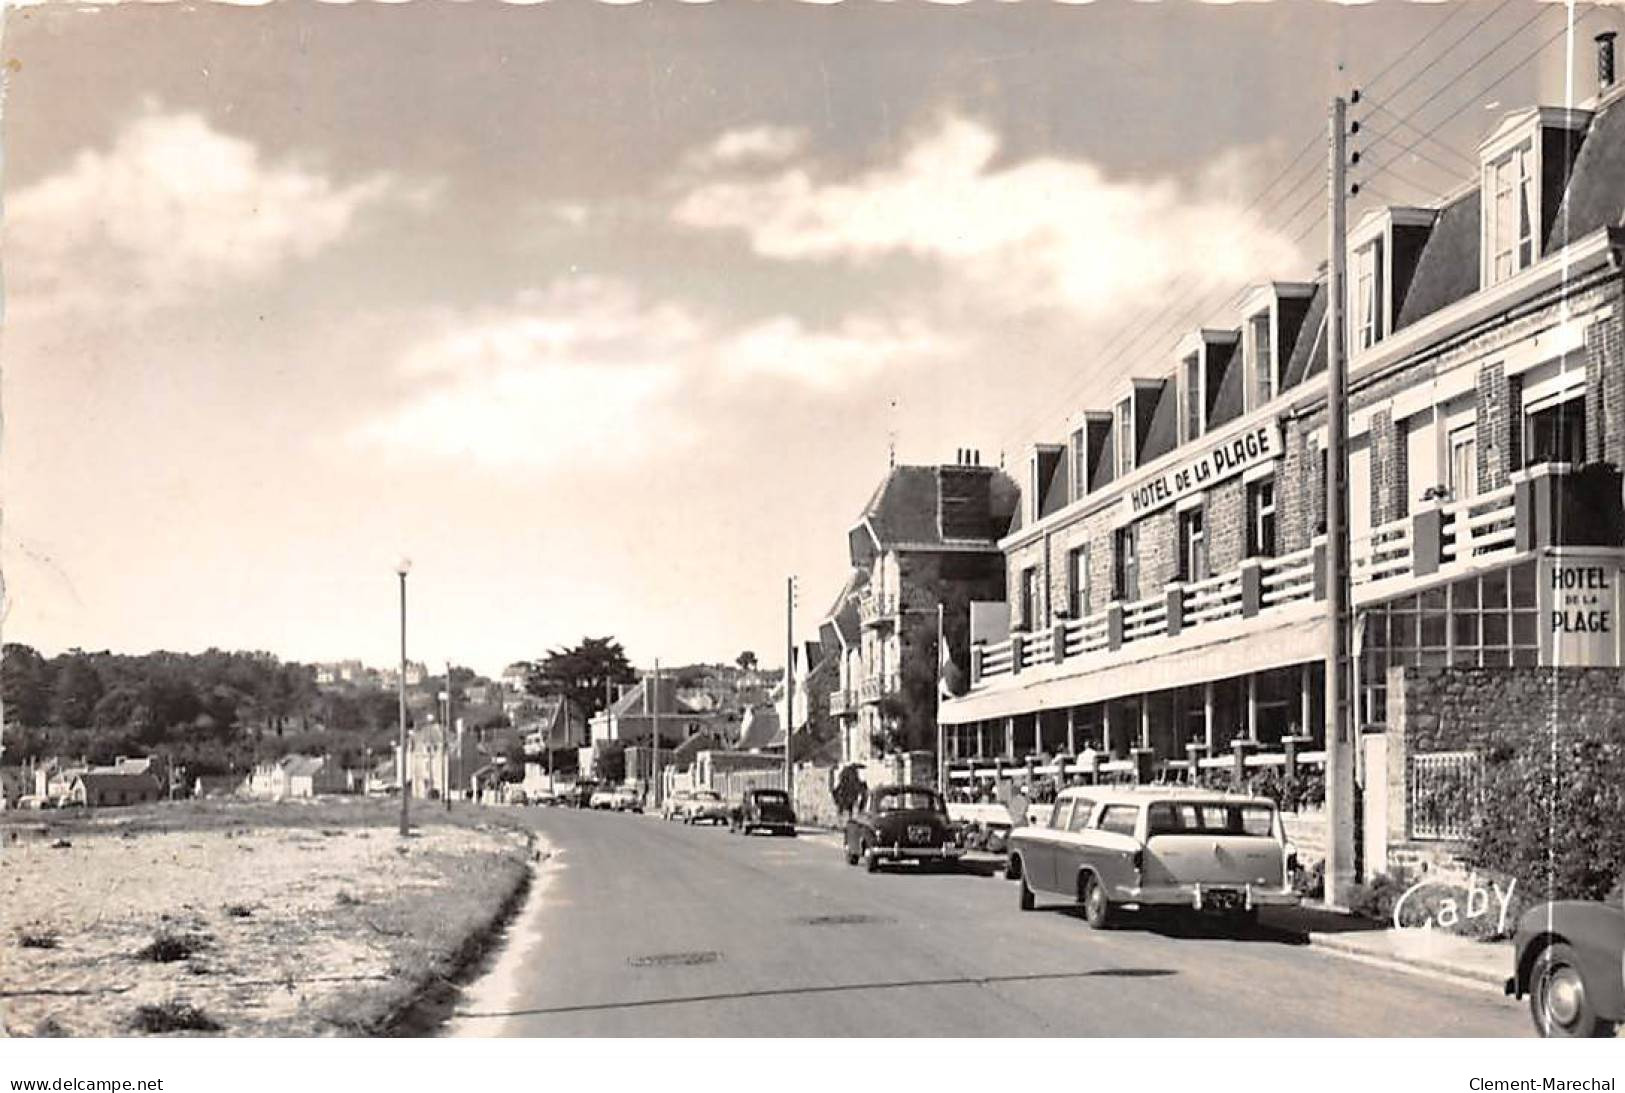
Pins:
x,y
871,860
1028,901
1558,1000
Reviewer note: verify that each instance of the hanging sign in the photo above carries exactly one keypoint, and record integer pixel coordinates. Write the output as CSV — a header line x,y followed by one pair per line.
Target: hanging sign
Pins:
x,y
1581,615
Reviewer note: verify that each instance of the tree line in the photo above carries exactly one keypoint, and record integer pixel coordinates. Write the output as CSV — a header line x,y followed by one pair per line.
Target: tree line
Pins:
x,y
215,711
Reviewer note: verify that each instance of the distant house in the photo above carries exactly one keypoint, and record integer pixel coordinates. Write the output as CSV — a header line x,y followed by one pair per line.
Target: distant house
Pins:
x,y
762,729
439,761
218,785
551,723
296,776
630,719
106,787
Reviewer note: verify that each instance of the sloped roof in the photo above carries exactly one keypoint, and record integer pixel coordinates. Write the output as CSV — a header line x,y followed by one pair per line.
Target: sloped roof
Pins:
x,y
907,505
683,754
760,730
1448,268
1308,355
1595,197
107,778
643,697
302,766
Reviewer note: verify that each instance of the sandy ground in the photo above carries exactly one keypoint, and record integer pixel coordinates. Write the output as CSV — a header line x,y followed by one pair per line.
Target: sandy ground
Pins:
x,y
295,925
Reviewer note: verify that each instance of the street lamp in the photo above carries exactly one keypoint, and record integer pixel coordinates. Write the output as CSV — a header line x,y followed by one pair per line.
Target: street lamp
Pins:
x,y
402,568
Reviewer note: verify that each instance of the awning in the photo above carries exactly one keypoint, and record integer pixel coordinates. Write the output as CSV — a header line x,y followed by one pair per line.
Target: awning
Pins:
x,y
1217,651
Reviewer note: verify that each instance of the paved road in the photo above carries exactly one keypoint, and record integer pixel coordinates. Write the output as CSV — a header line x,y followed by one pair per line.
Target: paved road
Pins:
x,y
644,928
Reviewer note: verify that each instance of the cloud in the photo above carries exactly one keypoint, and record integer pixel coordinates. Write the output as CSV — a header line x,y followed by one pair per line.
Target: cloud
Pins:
x,y
588,373
758,144
1041,232
859,349
579,374
173,210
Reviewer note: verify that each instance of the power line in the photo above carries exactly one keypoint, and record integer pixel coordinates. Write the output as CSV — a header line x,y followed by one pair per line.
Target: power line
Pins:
x,y
1470,162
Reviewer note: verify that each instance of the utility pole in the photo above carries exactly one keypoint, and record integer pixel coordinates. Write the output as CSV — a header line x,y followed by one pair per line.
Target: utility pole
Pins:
x,y
451,722
942,741
789,684
654,761
1339,747
402,570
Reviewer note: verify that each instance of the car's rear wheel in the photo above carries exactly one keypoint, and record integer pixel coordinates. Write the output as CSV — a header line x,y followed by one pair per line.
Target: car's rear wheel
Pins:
x,y
1097,908
1558,1000
852,854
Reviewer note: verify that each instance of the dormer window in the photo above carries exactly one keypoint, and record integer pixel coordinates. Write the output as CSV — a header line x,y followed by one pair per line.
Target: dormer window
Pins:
x,y
1366,314
1125,436
1509,212
1260,360
1193,397
1525,165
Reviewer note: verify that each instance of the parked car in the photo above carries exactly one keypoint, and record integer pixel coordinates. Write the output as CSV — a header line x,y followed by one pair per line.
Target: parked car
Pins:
x,y
628,799
675,807
1108,848
764,810
901,823
544,797
1569,958
707,807
602,798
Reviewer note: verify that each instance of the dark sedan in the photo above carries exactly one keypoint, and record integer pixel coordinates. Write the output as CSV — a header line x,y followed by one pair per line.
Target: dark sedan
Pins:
x,y
901,823
765,810
1571,963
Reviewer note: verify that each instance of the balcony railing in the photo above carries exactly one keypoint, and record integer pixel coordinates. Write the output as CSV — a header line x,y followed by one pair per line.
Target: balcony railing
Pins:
x,y
875,608
876,687
841,702
1437,539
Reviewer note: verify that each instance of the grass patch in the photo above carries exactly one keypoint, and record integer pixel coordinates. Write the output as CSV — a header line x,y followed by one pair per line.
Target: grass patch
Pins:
x,y
172,1016
439,939
169,946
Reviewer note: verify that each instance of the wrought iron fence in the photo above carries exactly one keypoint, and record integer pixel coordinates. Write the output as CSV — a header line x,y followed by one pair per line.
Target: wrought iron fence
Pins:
x,y
1443,790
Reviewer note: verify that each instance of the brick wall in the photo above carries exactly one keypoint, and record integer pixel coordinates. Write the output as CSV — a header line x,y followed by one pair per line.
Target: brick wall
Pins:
x,y
1388,460
1028,555
1293,501
1226,525
1605,392
1159,561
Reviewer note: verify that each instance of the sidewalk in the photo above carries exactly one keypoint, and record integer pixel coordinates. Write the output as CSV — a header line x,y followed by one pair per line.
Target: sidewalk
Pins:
x,y
1433,951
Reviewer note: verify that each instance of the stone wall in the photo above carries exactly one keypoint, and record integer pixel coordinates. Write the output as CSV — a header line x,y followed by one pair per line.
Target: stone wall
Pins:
x,y
814,802
1488,709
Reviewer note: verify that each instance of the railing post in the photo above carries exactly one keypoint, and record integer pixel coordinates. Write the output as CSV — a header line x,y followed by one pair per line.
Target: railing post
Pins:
x,y
1143,764
1239,750
1195,751
1252,587
1018,649
1427,540
1320,567
1094,768
1290,744
1173,598
1114,625
975,663
1058,642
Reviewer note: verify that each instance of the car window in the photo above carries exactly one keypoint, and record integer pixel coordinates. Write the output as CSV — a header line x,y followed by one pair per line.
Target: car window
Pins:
x,y
1080,818
922,800
1060,815
1119,819
1209,818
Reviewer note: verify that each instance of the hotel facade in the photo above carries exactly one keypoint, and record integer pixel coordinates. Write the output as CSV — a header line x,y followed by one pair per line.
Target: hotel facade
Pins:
x,y
1167,571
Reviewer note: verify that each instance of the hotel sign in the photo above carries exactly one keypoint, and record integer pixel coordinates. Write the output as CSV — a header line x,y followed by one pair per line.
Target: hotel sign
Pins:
x,y
1581,610
1223,460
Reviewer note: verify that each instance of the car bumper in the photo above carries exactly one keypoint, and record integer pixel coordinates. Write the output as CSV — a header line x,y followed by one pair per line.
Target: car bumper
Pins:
x,y
922,853
1198,895
708,817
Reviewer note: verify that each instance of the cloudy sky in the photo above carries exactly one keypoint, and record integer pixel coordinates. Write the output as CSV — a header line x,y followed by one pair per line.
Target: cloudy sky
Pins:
x,y
607,315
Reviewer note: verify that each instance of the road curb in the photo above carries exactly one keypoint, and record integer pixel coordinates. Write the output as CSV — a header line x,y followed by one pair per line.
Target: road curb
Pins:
x,y
1432,969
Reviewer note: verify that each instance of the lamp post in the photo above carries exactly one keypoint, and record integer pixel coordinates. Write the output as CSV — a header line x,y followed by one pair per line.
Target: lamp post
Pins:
x,y
402,568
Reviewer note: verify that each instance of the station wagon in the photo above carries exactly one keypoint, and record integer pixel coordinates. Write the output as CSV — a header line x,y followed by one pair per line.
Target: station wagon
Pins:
x,y
1109,848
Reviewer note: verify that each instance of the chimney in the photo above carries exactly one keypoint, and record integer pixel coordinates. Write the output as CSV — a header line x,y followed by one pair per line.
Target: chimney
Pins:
x,y
1605,61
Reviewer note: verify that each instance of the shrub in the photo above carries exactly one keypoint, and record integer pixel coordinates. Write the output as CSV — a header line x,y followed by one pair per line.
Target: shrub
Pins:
x,y
1553,826
168,947
37,937
1310,883
172,1016
1375,898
